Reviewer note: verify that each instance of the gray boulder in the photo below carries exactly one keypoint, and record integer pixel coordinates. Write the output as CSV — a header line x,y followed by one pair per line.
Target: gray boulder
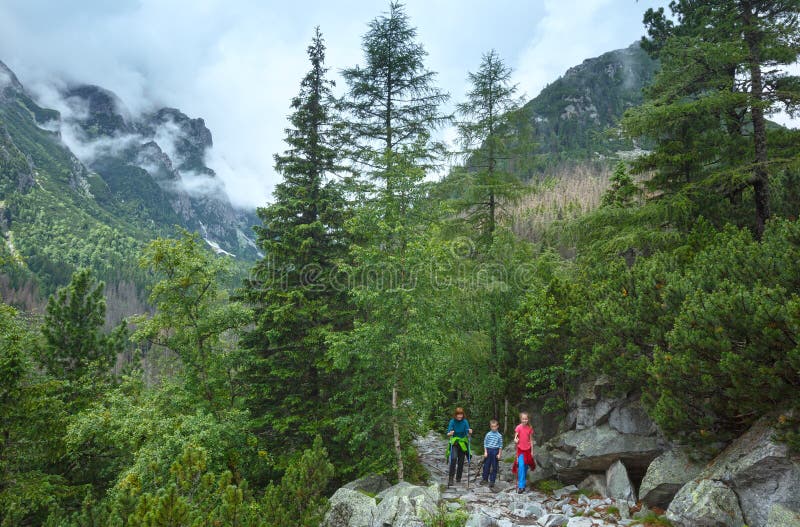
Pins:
x,y
371,484
577,453
349,508
705,503
632,419
759,472
595,483
406,505
665,476
553,520
618,484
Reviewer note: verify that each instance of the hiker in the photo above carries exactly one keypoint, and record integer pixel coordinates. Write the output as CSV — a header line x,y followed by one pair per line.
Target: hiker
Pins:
x,y
523,437
492,449
458,431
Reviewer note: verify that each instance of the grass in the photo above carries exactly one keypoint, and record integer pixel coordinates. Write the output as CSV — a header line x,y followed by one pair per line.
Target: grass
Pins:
x,y
445,518
613,510
548,485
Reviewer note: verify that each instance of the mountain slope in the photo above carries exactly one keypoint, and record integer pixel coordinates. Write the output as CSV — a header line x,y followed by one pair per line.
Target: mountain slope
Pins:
x,y
95,204
573,117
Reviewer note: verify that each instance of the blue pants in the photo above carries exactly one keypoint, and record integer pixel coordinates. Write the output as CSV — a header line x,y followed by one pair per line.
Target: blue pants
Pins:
x,y
522,471
490,465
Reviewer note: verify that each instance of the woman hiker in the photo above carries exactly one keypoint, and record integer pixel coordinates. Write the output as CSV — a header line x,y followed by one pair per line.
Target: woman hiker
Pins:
x,y
458,431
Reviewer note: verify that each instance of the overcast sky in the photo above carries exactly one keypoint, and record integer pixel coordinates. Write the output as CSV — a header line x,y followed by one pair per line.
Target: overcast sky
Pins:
x,y
237,63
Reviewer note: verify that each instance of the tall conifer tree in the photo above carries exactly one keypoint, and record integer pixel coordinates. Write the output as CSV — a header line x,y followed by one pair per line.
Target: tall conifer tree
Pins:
x,y
291,287
393,108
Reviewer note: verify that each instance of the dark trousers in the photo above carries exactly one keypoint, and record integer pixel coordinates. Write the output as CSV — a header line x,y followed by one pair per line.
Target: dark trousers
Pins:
x,y
490,465
456,458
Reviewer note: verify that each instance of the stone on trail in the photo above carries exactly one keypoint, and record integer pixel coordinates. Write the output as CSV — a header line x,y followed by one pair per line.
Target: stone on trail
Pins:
x,y
553,520
580,522
618,484
595,483
564,491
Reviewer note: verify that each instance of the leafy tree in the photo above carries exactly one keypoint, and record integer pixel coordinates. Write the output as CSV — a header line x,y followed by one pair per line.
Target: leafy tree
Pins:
x,y
194,318
74,342
31,427
292,289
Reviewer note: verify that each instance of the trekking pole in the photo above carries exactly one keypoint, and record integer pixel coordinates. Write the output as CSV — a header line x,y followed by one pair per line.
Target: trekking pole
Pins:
x,y
469,456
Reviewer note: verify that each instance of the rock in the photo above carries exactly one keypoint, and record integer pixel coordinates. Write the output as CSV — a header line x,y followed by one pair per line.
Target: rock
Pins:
x,y
478,520
553,520
624,510
564,491
406,505
780,516
756,470
371,484
632,419
705,503
349,508
578,453
618,483
580,522
595,483
665,476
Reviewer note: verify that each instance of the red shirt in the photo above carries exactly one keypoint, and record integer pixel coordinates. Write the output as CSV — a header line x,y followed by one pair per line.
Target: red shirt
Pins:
x,y
524,433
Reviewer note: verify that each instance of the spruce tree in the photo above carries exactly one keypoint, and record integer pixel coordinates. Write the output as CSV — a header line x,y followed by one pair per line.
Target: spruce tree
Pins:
x,y
292,287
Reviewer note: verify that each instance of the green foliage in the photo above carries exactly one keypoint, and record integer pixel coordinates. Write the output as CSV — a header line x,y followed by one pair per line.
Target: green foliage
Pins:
x,y
623,190
548,485
293,289
73,342
447,518
31,424
195,319
299,498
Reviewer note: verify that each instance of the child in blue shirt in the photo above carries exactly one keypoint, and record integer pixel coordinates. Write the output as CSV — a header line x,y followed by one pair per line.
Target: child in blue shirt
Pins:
x,y
492,449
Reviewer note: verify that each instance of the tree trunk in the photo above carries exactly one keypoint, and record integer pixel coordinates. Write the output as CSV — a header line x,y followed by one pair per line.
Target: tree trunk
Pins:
x,y
760,175
398,451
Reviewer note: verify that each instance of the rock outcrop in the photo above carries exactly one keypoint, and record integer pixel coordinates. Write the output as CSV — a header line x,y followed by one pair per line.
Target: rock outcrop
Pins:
x,y
665,476
753,478
601,429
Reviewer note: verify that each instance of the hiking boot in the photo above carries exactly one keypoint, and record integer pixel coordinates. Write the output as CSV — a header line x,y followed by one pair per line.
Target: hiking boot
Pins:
x,y
491,484
520,491
458,480
483,482
450,482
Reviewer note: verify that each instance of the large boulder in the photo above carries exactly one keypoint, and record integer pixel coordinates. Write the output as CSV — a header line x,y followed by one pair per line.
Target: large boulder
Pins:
x,y
370,484
706,503
665,476
600,428
618,484
406,505
577,453
758,472
349,508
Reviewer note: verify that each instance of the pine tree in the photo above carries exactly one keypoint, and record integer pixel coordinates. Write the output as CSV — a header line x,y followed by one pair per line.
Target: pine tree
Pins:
x,y
291,289
623,190
72,329
392,99
723,71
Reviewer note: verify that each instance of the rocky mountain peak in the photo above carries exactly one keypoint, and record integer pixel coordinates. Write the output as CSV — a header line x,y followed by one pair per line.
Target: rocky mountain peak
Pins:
x,y
99,111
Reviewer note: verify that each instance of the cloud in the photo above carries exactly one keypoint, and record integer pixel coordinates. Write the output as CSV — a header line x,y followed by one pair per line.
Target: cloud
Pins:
x,y
238,64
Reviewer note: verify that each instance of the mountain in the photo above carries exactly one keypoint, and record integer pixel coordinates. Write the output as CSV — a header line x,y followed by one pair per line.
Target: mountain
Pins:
x,y
574,118
88,185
